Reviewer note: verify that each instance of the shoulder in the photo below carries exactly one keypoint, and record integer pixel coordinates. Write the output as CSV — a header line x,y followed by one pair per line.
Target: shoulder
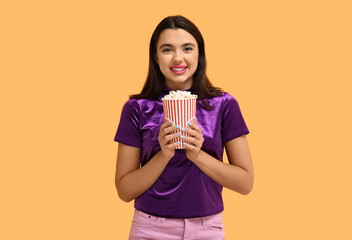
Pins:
x,y
227,96
130,103
229,99
131,106
223,99
225,103
141,105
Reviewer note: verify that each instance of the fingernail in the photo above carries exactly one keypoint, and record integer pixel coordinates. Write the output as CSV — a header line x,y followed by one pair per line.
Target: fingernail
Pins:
x,y
177,127
178,143
183,129
182,137
178,133
185,144
189,124
170,122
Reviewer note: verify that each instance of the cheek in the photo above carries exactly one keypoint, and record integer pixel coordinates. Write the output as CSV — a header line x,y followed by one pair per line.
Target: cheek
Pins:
x,y
195,59
163,61
163,65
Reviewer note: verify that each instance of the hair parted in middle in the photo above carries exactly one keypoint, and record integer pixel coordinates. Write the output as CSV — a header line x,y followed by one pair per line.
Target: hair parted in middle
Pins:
x,y
155,81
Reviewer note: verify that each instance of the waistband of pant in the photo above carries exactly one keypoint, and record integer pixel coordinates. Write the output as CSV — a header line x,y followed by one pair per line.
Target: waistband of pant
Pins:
x,y
202,220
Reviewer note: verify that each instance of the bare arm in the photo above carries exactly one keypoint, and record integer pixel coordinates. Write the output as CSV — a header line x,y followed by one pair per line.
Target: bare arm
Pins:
x,y
237,176
131,180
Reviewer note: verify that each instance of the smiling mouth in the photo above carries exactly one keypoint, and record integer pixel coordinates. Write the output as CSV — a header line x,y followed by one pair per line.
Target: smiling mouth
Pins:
x,y
178,69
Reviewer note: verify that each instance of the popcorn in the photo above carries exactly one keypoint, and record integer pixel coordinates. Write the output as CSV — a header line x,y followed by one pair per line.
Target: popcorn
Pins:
x,y
179,95
180,108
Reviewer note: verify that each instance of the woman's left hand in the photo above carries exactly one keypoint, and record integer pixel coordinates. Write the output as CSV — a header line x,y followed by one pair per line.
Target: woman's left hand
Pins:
x,y
194,140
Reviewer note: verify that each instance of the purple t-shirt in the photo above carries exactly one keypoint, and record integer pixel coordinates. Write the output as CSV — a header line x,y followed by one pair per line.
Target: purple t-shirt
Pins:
x,y
182,190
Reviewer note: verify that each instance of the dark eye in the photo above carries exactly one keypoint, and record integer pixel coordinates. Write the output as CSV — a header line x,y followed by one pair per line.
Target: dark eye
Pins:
x,y
187,49
166,50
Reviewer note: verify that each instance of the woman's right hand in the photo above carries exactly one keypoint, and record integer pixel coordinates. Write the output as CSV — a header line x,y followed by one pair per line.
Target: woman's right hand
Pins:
x,y
165,135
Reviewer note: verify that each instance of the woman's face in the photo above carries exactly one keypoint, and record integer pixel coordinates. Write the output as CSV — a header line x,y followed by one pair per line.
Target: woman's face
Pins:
x,y
177,56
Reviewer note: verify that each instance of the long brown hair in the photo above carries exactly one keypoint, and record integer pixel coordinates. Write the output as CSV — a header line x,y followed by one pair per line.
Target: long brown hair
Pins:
x,y
155,81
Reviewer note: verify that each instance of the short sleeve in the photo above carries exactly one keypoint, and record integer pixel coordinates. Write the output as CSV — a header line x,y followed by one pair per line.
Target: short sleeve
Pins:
x,y
128,131
233,124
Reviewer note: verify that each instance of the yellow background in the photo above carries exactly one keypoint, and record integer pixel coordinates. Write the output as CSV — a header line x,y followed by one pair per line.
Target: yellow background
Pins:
x,y
67,67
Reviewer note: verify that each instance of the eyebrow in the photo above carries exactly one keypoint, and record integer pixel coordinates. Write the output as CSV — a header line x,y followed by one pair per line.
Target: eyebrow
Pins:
x,y
183,45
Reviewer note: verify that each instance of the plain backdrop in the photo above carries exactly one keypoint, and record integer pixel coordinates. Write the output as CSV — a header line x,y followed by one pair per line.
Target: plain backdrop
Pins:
x,y
67,68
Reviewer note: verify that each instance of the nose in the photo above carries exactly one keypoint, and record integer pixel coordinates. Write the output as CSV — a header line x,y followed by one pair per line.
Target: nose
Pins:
x,y
178,57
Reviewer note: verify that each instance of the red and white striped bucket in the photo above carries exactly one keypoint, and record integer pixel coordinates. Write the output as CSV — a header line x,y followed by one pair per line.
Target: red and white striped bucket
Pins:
x,y
180,112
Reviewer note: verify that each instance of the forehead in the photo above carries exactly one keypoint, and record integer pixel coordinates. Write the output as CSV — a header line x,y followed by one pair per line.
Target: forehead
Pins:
x,y
175,37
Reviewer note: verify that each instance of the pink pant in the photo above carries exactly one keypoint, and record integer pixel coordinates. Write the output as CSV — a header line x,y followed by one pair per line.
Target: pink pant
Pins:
x,y
145,226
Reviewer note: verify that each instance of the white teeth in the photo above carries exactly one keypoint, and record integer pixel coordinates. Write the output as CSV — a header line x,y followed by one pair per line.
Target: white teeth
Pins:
x,y
178,69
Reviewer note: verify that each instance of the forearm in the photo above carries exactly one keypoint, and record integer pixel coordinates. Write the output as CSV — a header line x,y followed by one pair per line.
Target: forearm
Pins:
x,y
135,183
230,176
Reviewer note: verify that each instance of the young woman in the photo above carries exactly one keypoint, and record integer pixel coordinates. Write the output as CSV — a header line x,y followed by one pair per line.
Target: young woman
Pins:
x,y
177,193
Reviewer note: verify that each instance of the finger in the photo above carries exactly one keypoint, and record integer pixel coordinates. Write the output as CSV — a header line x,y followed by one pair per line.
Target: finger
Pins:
x,y
166,140
197,134
193,125
165,143
163,129
193,141
173,145
166,123
167,129
190,147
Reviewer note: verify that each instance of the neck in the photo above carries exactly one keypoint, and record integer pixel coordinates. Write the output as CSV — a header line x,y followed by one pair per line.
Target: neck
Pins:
x,y
179,86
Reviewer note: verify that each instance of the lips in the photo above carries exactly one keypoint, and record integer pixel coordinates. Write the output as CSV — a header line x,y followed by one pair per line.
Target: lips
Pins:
x,y
178,69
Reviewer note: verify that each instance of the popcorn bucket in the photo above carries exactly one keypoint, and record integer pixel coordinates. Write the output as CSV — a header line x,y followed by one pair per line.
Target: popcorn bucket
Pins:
x,y
180,112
